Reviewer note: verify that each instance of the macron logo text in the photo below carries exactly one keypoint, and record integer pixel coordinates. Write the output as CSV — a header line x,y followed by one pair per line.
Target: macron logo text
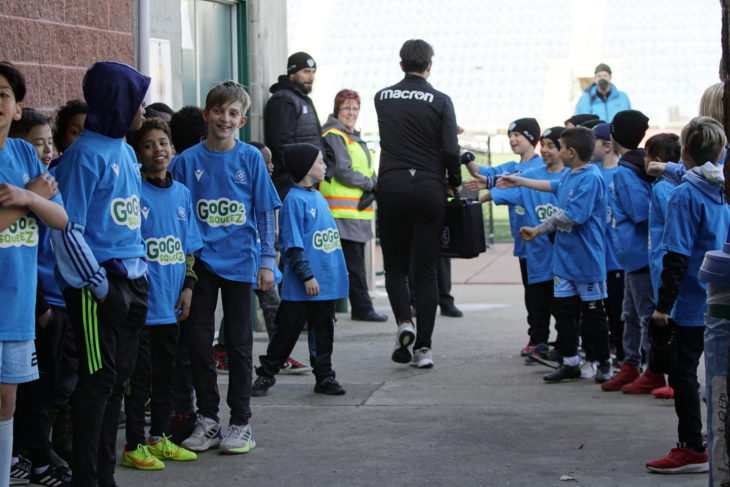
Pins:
x,y
406,95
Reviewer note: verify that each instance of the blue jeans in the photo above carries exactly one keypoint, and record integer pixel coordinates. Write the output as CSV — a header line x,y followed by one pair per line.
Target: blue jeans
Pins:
x,y
637,309
717,341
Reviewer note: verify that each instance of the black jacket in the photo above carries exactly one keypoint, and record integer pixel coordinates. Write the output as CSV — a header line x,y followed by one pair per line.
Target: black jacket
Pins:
x,y
417,130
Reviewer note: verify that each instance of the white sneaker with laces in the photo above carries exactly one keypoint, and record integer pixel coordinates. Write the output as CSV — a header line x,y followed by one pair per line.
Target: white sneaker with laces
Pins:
x,y
422,358
587,369
404,337
207,434
239,439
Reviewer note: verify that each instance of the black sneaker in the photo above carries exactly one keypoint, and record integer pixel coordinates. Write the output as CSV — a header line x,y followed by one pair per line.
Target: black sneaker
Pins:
x,y
565,372
540,349
330,386
549,358
20,472
450,310
603,373
262,385
55,476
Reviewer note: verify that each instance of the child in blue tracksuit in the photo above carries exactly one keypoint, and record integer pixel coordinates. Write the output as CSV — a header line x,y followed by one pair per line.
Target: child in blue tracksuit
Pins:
x,y
234,201
696,222
579,261
315,274
100,257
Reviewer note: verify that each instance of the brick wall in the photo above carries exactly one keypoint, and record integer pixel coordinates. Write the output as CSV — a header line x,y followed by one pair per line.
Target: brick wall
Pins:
x,y
54,41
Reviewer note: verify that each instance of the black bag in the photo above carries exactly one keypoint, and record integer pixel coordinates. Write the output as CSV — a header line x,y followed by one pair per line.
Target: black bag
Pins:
x,y
663,355
463,232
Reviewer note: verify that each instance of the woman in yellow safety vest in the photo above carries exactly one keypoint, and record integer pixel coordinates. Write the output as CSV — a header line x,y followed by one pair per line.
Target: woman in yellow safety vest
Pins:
x,y
354,176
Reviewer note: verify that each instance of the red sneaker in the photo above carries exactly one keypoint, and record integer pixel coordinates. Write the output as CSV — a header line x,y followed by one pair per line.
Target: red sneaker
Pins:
x,y
680,460
527,349
625,375
665,392
645,384
220,355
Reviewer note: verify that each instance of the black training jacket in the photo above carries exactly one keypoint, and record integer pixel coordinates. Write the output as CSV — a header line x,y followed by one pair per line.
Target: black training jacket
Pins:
x,y
417,129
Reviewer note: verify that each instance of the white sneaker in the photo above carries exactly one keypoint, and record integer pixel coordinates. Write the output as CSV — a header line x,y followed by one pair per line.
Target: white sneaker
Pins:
x,y
239,439
404,337
587,369
207,434
422,358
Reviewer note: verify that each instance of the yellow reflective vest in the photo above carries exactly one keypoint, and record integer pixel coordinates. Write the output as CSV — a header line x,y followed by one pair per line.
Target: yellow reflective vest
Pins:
x,y
342,199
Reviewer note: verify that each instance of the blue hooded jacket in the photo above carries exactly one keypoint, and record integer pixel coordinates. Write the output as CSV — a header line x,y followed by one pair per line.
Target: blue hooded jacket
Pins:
x,y
591,102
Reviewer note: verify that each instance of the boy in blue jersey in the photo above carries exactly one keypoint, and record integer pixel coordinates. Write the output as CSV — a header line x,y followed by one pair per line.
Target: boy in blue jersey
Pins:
x,y
310,245
631,224
234,201
535,207
696,222
579,262
100,258
524,134
171,236
20,209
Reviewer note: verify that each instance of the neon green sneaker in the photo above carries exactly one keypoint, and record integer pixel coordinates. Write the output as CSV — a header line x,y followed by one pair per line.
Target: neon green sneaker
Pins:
x,y
141,459
165,449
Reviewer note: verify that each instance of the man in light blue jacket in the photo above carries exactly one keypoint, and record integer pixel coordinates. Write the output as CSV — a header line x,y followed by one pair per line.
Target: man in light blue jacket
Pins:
x,y
602,98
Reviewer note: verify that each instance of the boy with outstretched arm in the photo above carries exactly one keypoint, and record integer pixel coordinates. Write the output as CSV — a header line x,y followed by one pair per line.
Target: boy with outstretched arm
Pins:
x,y
579,263
234,201
310,245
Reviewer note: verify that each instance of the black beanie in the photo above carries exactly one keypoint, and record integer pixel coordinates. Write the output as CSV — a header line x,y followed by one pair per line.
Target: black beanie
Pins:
x,y
299,159
299,60
553,133
629,127
527,127
590,124
580,118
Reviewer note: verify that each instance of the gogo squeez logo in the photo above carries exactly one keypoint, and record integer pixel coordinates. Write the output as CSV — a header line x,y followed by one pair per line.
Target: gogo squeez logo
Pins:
x,y
23,232
125,212
165,250
327,240
221,212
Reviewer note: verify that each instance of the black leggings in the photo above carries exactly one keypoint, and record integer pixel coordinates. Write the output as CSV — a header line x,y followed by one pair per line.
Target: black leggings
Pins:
x,y
411,209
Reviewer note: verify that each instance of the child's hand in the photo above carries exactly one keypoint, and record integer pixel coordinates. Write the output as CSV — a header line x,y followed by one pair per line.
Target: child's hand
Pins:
x,y
479,182
656,168
44,186
265,279
14,196
508,181
528,234
312,287
660,319
183,304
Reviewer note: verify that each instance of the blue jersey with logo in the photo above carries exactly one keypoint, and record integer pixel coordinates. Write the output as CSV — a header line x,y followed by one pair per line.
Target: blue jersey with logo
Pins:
x,y
534,207
227,189
612,262
305,222
660,193
631,218
694,225
47,260
19,246
579,253
170,233
515,218
101,184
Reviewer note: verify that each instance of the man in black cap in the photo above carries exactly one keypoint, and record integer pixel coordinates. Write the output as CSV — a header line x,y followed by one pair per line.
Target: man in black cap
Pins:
x,y
290,116
601,97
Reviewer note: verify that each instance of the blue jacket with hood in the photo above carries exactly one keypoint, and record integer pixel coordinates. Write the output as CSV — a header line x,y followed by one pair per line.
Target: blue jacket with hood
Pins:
x,y
591,102
100,182
660,193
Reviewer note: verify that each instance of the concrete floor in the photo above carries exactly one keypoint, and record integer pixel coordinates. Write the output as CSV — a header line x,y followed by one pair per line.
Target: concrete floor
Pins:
x,y
478,418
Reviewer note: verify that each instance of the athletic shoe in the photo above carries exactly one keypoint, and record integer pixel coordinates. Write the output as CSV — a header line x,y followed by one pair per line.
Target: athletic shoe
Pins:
x,y
587,369
261,385
603,372
565,372
665,392
404,337
164,449
207,434
626,375
182,426
238,439
549,358
528,349
422,358
20,472
372,316
646,383
220,355
680,460
141,459
291,366
54,476
540,348
450,310
329,386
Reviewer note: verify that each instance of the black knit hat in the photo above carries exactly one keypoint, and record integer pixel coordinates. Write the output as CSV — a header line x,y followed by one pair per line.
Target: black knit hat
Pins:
x,y
591,123
299,159
299,60
629,127
580,118
527,127
553,133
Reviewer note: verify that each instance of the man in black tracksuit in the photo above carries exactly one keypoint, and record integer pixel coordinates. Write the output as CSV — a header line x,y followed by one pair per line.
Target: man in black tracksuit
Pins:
x,y
418,147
